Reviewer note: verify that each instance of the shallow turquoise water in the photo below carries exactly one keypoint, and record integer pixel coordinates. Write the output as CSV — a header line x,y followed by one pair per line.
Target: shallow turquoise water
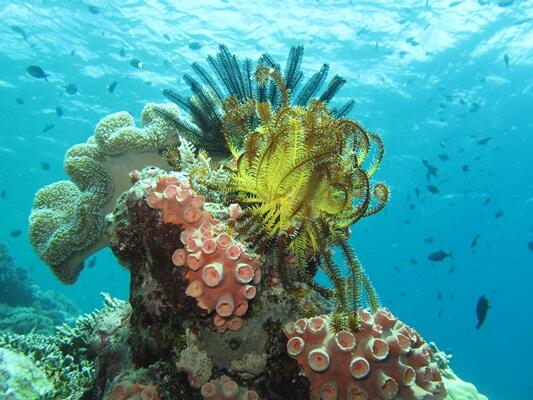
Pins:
x,y
430,76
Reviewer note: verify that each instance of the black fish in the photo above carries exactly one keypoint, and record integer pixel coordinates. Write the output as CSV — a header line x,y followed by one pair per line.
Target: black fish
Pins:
x,y
454,3
112,86
195,46
487,201
465,168
19,100
452,270
412,206
93,9
413,261
474,241
483,141
439,256
48,127
37,72
73,52
59,111
45,166
506,61
498,214
71,88
530,245
122,52
3,194
429,240
439,296
20,31
417,192
474,107
481,311
92,262
136,63
433,189
444,157
431,170
15,233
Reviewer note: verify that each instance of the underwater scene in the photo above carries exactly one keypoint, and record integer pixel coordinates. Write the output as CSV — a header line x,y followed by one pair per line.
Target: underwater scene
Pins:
x,y
266,200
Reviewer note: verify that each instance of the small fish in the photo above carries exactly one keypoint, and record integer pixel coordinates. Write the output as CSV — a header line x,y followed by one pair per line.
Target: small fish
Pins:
x,y
444,157
481,311
474,241
407,222
474,107
59,111
19,100
122,52
3,194
376,46
454,3
498,214
112,86
484,141
412,206
37,72
506,61
92,262
452,270
487,201
403,294
20,31
93,9
136,63
417,192
439,296
412,41
15,233
48,127
167,37
433,189
439,314
505,3
431,170
439,256
429,239
465,168
72,53
45,166
71,88
530,245
195,46
413,261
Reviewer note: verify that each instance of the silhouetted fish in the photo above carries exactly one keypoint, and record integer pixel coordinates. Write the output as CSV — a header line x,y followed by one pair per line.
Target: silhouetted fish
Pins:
x,y
417,192
59,111
195,46
431,170
136,63
36,72
530,245
122,52
15,233
167,37
112,86
498,214
412,206
439,296
487,201
19,100
454,3
413,261
452,270
3,194
505,3
439,256
93,9
45,166
433,189
474,107
71,88
484,141
92,262
444,157
474,241
465,168
429,239
20,31
481,311
48,127
439,314
506,61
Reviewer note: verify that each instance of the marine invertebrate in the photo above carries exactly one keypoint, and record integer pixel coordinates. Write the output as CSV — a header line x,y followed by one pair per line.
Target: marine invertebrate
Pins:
x,y
67,222
224,388
133,391
383,359
221,272
232,79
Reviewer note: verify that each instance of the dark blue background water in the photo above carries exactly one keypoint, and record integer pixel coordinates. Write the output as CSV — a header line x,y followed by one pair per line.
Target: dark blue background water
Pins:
x,y
434,78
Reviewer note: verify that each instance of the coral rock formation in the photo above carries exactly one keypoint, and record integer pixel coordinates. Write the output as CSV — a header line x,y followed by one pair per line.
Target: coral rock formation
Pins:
x,y
385,359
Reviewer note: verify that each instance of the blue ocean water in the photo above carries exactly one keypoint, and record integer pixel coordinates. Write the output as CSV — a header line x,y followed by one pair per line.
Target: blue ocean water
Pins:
x,y
447,84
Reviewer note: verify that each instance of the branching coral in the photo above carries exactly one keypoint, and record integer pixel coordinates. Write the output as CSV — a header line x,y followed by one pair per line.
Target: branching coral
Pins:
x,y
67,222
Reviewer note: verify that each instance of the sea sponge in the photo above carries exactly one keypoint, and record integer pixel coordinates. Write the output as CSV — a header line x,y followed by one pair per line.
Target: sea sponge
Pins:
x,y
68,219
385,359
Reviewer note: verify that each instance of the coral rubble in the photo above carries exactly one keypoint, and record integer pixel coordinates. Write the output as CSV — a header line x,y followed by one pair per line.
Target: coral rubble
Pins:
x,y
223,218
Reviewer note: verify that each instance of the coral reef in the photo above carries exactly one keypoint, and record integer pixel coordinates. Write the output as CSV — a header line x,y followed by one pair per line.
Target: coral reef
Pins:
x,y
67,222
223,236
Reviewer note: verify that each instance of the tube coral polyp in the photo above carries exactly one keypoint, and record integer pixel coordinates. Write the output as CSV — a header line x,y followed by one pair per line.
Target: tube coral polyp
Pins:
x,y
221,272
133,391
385,359
224,388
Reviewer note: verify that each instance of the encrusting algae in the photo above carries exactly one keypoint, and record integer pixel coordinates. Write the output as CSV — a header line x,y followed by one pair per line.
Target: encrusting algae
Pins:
x,y
261,177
